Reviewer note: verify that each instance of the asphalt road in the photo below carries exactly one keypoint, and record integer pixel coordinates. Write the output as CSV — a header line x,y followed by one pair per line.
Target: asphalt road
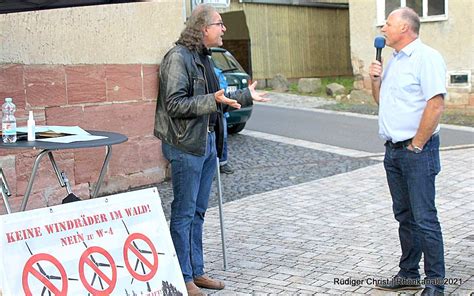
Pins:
x,y
336,129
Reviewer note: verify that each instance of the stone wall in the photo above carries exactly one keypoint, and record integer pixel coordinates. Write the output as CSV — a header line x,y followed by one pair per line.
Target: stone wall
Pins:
x,y
94,75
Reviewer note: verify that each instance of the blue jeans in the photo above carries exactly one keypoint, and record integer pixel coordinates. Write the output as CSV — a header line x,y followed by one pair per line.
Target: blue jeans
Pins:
x,y
411,179
192,177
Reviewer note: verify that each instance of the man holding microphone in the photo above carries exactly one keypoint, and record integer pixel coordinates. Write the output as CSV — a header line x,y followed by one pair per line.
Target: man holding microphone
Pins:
x,y
410,93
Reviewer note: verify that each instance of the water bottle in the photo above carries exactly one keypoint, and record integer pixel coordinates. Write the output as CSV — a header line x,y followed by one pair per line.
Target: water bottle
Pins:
x,y
8,121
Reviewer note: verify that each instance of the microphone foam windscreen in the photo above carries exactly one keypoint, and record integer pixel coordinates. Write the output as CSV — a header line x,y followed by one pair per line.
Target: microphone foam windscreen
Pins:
x,y
379,42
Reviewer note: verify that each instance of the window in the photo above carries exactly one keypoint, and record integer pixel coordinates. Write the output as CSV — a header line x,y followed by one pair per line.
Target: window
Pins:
x,y
225,61
459,79
428,10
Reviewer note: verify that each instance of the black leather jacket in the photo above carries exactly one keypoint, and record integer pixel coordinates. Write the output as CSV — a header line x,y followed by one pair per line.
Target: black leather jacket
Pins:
x,y
184,103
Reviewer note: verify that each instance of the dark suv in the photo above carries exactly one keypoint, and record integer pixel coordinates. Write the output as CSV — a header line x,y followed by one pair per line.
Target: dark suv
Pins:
x,y
236,78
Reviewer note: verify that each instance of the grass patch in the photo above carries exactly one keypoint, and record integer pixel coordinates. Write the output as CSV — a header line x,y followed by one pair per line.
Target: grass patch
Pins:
x,y
367,109
456,117
450,116
347,82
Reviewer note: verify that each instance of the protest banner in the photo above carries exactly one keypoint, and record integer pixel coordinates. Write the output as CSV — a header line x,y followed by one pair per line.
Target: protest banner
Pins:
x,y
114,245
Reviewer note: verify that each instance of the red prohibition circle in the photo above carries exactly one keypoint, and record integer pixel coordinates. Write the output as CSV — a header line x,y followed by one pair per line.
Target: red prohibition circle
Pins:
x,y
152,266
29,269
86,260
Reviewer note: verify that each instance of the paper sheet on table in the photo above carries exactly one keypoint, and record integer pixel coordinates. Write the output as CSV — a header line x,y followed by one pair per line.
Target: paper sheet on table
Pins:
x,y
72,130
73,138
74,134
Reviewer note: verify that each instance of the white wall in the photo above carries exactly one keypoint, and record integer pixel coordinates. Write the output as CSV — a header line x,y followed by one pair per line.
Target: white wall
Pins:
x,y
106,34
453,38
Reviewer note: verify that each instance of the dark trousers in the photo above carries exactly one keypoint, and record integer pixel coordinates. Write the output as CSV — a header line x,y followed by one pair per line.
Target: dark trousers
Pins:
x,y
411,179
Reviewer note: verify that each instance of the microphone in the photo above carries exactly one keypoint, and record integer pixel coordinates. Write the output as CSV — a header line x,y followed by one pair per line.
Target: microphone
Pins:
x,y
379,43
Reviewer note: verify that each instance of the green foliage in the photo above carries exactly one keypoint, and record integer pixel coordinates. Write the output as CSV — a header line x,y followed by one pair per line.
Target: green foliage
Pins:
x,y
347,82
456,117
293,88
353,107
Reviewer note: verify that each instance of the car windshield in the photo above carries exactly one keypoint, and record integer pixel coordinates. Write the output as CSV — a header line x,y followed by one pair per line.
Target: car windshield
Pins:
x,y
226,62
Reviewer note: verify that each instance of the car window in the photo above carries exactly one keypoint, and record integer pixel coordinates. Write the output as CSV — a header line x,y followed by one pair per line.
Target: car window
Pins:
x,y
226,62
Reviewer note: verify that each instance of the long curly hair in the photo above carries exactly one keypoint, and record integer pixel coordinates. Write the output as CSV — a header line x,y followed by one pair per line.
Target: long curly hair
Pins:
x,y
191,37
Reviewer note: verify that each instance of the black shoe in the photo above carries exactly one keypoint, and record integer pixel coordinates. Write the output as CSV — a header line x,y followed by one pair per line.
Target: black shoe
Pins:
x,y
226,169
398,283
430,291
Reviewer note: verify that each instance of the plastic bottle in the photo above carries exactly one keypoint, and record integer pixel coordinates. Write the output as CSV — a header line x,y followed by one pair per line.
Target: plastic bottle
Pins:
x,y
8,121
31,127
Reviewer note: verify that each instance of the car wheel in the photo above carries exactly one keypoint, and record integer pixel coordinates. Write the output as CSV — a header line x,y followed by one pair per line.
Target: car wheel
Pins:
x,y
235,128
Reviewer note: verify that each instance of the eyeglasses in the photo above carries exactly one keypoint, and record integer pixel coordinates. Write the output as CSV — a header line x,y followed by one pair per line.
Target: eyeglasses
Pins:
x,y
217,24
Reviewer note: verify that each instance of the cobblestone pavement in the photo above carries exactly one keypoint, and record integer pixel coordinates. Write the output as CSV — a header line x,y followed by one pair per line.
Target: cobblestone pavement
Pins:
x,y
302,239
262,165
301,220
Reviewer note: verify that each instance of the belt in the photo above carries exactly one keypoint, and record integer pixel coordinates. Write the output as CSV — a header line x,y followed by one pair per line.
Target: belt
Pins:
x,y
398,145
210,128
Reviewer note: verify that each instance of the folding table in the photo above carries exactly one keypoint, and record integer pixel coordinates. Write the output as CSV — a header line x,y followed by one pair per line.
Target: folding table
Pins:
x,y
48,148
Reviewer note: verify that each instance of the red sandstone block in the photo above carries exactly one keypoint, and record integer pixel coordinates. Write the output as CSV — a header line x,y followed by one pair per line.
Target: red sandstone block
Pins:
x,y
7,163
134,156
15,203
125,158
124,82
11,84
52,197
131,119
45,176
45,85
5,152
150,81
56,195
88,163
150,153
82,191
138,154
122,183
47,197
68,116
85,84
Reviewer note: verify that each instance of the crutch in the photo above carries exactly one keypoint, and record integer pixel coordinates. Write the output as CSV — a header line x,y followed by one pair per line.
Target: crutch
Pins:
x,y
221,213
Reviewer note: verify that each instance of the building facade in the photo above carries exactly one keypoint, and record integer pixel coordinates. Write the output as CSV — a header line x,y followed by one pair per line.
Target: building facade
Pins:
x,y
444,26
93,67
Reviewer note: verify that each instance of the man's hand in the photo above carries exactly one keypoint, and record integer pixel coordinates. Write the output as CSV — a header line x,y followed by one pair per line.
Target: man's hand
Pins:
x,y
375,73
375,70
257,96
221,98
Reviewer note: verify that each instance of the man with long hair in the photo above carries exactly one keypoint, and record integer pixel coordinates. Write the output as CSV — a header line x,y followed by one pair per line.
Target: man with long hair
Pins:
x,y
188,121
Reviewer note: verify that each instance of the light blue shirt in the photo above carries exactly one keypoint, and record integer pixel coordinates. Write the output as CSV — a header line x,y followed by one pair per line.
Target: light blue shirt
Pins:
x,y
412,77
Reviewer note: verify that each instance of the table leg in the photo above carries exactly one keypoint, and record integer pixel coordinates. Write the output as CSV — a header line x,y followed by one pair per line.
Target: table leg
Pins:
x,y
56,169
103,170
5,191
31,180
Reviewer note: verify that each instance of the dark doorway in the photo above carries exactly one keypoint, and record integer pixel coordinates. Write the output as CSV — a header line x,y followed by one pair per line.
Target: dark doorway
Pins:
x,y
237,38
